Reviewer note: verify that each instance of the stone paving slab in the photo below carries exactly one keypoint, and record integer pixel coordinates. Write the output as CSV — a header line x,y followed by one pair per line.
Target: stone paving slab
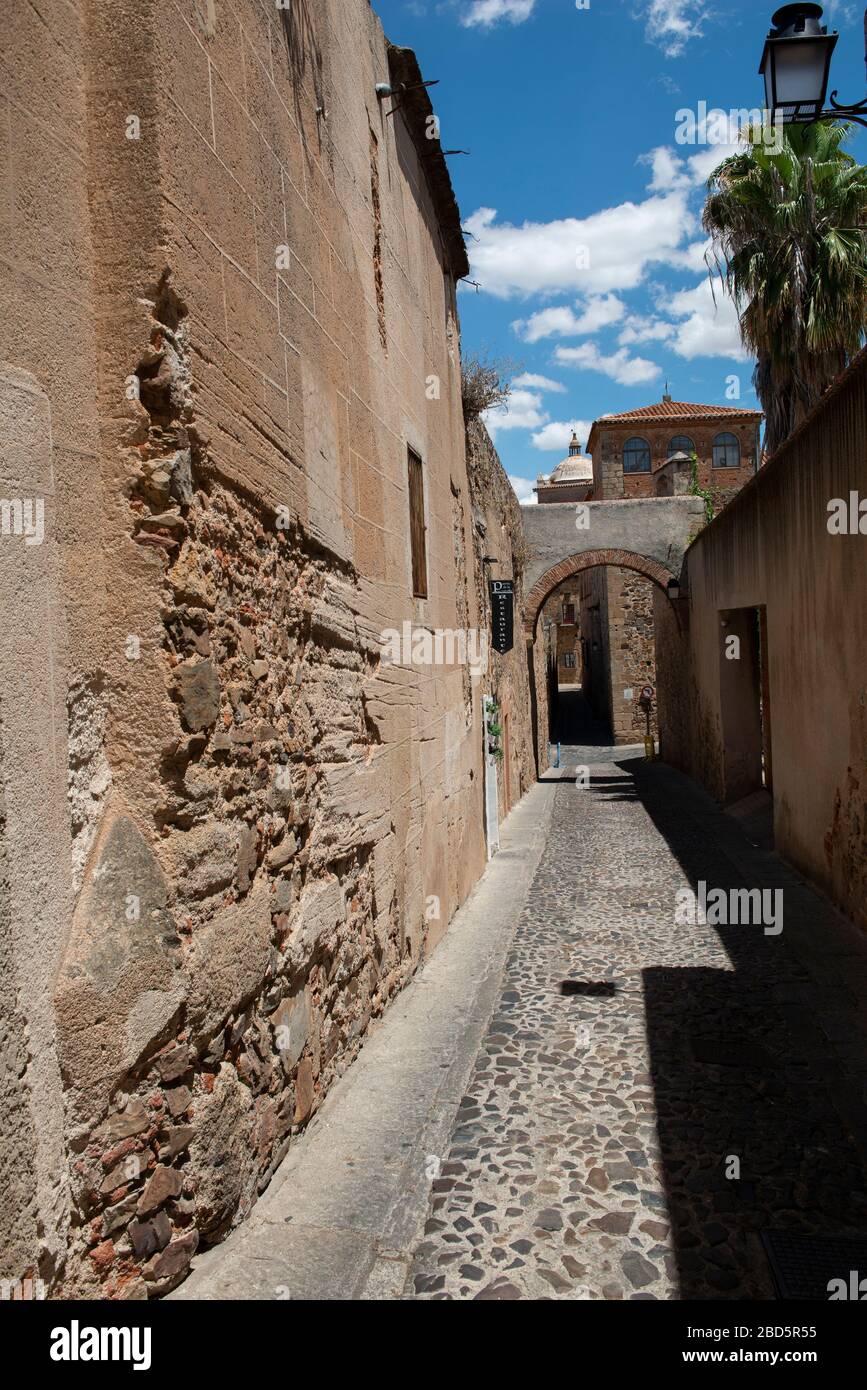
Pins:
x,y
346,1207
592,1154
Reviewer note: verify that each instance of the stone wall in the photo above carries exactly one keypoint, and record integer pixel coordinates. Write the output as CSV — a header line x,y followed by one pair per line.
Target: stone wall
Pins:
x,y
772,550
233,827
51,594
632,652
499,534
618,631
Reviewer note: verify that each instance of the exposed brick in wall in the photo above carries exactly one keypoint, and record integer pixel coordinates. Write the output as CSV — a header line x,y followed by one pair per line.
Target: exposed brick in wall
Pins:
x,y
285,941
724,483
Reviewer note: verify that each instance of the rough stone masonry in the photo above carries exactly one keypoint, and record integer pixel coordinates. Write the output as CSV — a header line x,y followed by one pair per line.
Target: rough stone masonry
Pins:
x,y
228,832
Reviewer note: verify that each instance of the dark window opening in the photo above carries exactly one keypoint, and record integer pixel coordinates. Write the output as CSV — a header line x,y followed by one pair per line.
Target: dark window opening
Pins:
x,y
417,528
636,456
681,444
726,451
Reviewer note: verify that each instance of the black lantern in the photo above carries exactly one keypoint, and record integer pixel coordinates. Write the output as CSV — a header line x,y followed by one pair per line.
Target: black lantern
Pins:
x,y
796,63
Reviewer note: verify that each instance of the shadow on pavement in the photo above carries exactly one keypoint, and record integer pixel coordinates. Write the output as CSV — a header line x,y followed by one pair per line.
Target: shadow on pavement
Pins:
x,y
749,1138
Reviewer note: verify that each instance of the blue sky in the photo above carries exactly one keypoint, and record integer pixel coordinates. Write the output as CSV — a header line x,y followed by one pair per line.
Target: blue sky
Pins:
x,y
584,205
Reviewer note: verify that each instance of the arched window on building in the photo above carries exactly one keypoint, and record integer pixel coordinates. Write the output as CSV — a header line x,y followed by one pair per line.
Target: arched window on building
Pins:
x,y
726,451
681,444
636,456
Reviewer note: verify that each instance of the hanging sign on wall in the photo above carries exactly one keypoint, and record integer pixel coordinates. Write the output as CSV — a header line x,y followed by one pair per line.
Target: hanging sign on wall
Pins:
x,y
503,615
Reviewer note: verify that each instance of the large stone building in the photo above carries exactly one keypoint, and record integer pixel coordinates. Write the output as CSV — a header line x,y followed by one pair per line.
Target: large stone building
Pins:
x,y
633,452
602,620
231,827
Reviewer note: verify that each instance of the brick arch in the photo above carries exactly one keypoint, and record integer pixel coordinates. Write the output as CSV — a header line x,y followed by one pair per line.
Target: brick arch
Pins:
x,y
588,559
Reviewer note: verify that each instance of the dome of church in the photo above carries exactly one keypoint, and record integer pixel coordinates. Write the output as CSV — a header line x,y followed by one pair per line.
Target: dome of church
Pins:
x,y
577,468
573,470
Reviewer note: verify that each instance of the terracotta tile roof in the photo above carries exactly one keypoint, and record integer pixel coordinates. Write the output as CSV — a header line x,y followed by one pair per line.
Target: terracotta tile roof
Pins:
x,y
677,410
672,411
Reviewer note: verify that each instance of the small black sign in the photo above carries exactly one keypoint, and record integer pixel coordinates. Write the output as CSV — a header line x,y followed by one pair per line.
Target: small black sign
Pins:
x,y
503,615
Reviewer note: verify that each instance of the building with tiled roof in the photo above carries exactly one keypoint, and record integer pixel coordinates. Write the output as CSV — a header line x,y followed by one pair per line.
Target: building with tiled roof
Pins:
x,y
601,623
647,452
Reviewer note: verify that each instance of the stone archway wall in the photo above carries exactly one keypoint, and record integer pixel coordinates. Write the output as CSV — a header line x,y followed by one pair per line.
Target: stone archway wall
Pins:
x,y
588,559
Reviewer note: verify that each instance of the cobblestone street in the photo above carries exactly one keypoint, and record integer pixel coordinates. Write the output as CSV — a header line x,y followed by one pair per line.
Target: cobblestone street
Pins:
x,y
578,1098
629,1060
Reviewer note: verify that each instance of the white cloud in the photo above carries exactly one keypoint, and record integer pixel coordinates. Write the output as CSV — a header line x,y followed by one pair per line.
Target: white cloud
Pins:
x,y
707,329
640,330
692,257
701,322
600,311
523,489
490,12
610,250
537,383
672,23
522,411
557,436
670,173
626,370
840,12
547,323
668,84
702,165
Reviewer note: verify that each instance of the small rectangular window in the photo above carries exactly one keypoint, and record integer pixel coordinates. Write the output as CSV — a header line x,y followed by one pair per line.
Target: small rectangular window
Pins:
x,y
417,528
568,615
569,661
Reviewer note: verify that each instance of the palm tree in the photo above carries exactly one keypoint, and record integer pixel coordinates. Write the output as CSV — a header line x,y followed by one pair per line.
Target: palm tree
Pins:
x,y
788,225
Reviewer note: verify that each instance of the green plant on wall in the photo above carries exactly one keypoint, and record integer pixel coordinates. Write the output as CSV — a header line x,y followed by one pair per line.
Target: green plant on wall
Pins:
x,y
494,730
703,492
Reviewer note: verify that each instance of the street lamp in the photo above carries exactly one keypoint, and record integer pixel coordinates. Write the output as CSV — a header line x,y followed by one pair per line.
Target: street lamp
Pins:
x,y
796,66
796,63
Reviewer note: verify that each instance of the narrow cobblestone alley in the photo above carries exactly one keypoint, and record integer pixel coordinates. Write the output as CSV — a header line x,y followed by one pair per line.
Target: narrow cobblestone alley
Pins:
x,y
568,1131
629,1059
